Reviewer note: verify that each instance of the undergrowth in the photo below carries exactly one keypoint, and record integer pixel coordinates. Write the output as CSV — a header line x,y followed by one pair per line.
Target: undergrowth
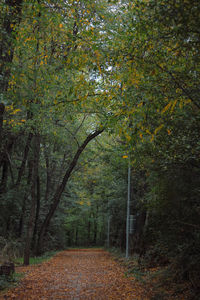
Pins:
x,y
8,281
12,280
159,280
36,259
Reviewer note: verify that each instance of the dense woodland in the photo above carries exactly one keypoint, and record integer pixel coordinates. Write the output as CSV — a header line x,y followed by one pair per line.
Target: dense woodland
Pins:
x,y
87,88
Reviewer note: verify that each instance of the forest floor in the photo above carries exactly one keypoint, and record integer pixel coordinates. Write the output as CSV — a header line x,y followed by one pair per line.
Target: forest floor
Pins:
x,y
92,274
77,275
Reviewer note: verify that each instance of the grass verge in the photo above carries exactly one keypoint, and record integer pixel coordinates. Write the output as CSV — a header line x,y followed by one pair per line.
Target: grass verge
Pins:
x,y
36,259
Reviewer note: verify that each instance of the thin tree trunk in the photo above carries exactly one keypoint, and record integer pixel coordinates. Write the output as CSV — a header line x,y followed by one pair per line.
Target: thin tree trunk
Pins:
x,y
2,109
36,148
48,176
4,178
61,187
36,215
89,228
95,231
21,222
5,164
76,236
25,156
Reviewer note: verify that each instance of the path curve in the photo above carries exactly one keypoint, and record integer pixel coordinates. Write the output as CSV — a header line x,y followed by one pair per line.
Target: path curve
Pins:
x,y
76,275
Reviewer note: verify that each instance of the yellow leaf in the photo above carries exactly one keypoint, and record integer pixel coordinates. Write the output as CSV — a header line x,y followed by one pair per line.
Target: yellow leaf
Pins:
x,y
158,129
125,156
152,138
169,131
15,111
166,107
147,131
140,104
173,106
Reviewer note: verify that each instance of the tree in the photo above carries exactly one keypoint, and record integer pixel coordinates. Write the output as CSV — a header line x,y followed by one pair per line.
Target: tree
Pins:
x,y
61,187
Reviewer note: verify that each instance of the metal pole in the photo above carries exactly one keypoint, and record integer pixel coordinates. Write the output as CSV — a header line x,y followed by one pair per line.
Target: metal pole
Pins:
x,y
128,209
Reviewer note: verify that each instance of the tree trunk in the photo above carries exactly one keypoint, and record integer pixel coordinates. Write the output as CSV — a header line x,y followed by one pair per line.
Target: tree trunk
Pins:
x,y
36,215
89,228
76,236
2,109
61,187
4,178
5,163
25,156
95,215
48,175
95,233
36,149
21,222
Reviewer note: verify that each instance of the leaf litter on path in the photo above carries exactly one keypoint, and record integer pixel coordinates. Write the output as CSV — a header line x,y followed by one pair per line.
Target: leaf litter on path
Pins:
x,y
82,274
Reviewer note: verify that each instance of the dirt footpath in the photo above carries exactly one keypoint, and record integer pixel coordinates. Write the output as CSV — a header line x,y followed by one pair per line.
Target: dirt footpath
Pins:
x,y
76,275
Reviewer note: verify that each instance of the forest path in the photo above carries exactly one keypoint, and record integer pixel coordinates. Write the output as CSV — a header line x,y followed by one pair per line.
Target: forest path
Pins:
x,y
76,275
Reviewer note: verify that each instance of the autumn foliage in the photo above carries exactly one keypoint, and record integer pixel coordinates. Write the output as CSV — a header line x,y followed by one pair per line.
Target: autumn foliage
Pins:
x,y
77,274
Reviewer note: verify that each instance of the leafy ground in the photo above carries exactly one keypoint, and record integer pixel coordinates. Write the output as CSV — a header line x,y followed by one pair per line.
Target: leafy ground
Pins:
x,y
77,275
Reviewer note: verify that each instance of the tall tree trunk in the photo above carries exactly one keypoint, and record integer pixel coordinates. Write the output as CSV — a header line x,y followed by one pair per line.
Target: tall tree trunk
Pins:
x,y
4,178
25,156
29,178
36,215
61,187
5,164
36,149
76,236
89,228
48,176
95,215
2,109
95,231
